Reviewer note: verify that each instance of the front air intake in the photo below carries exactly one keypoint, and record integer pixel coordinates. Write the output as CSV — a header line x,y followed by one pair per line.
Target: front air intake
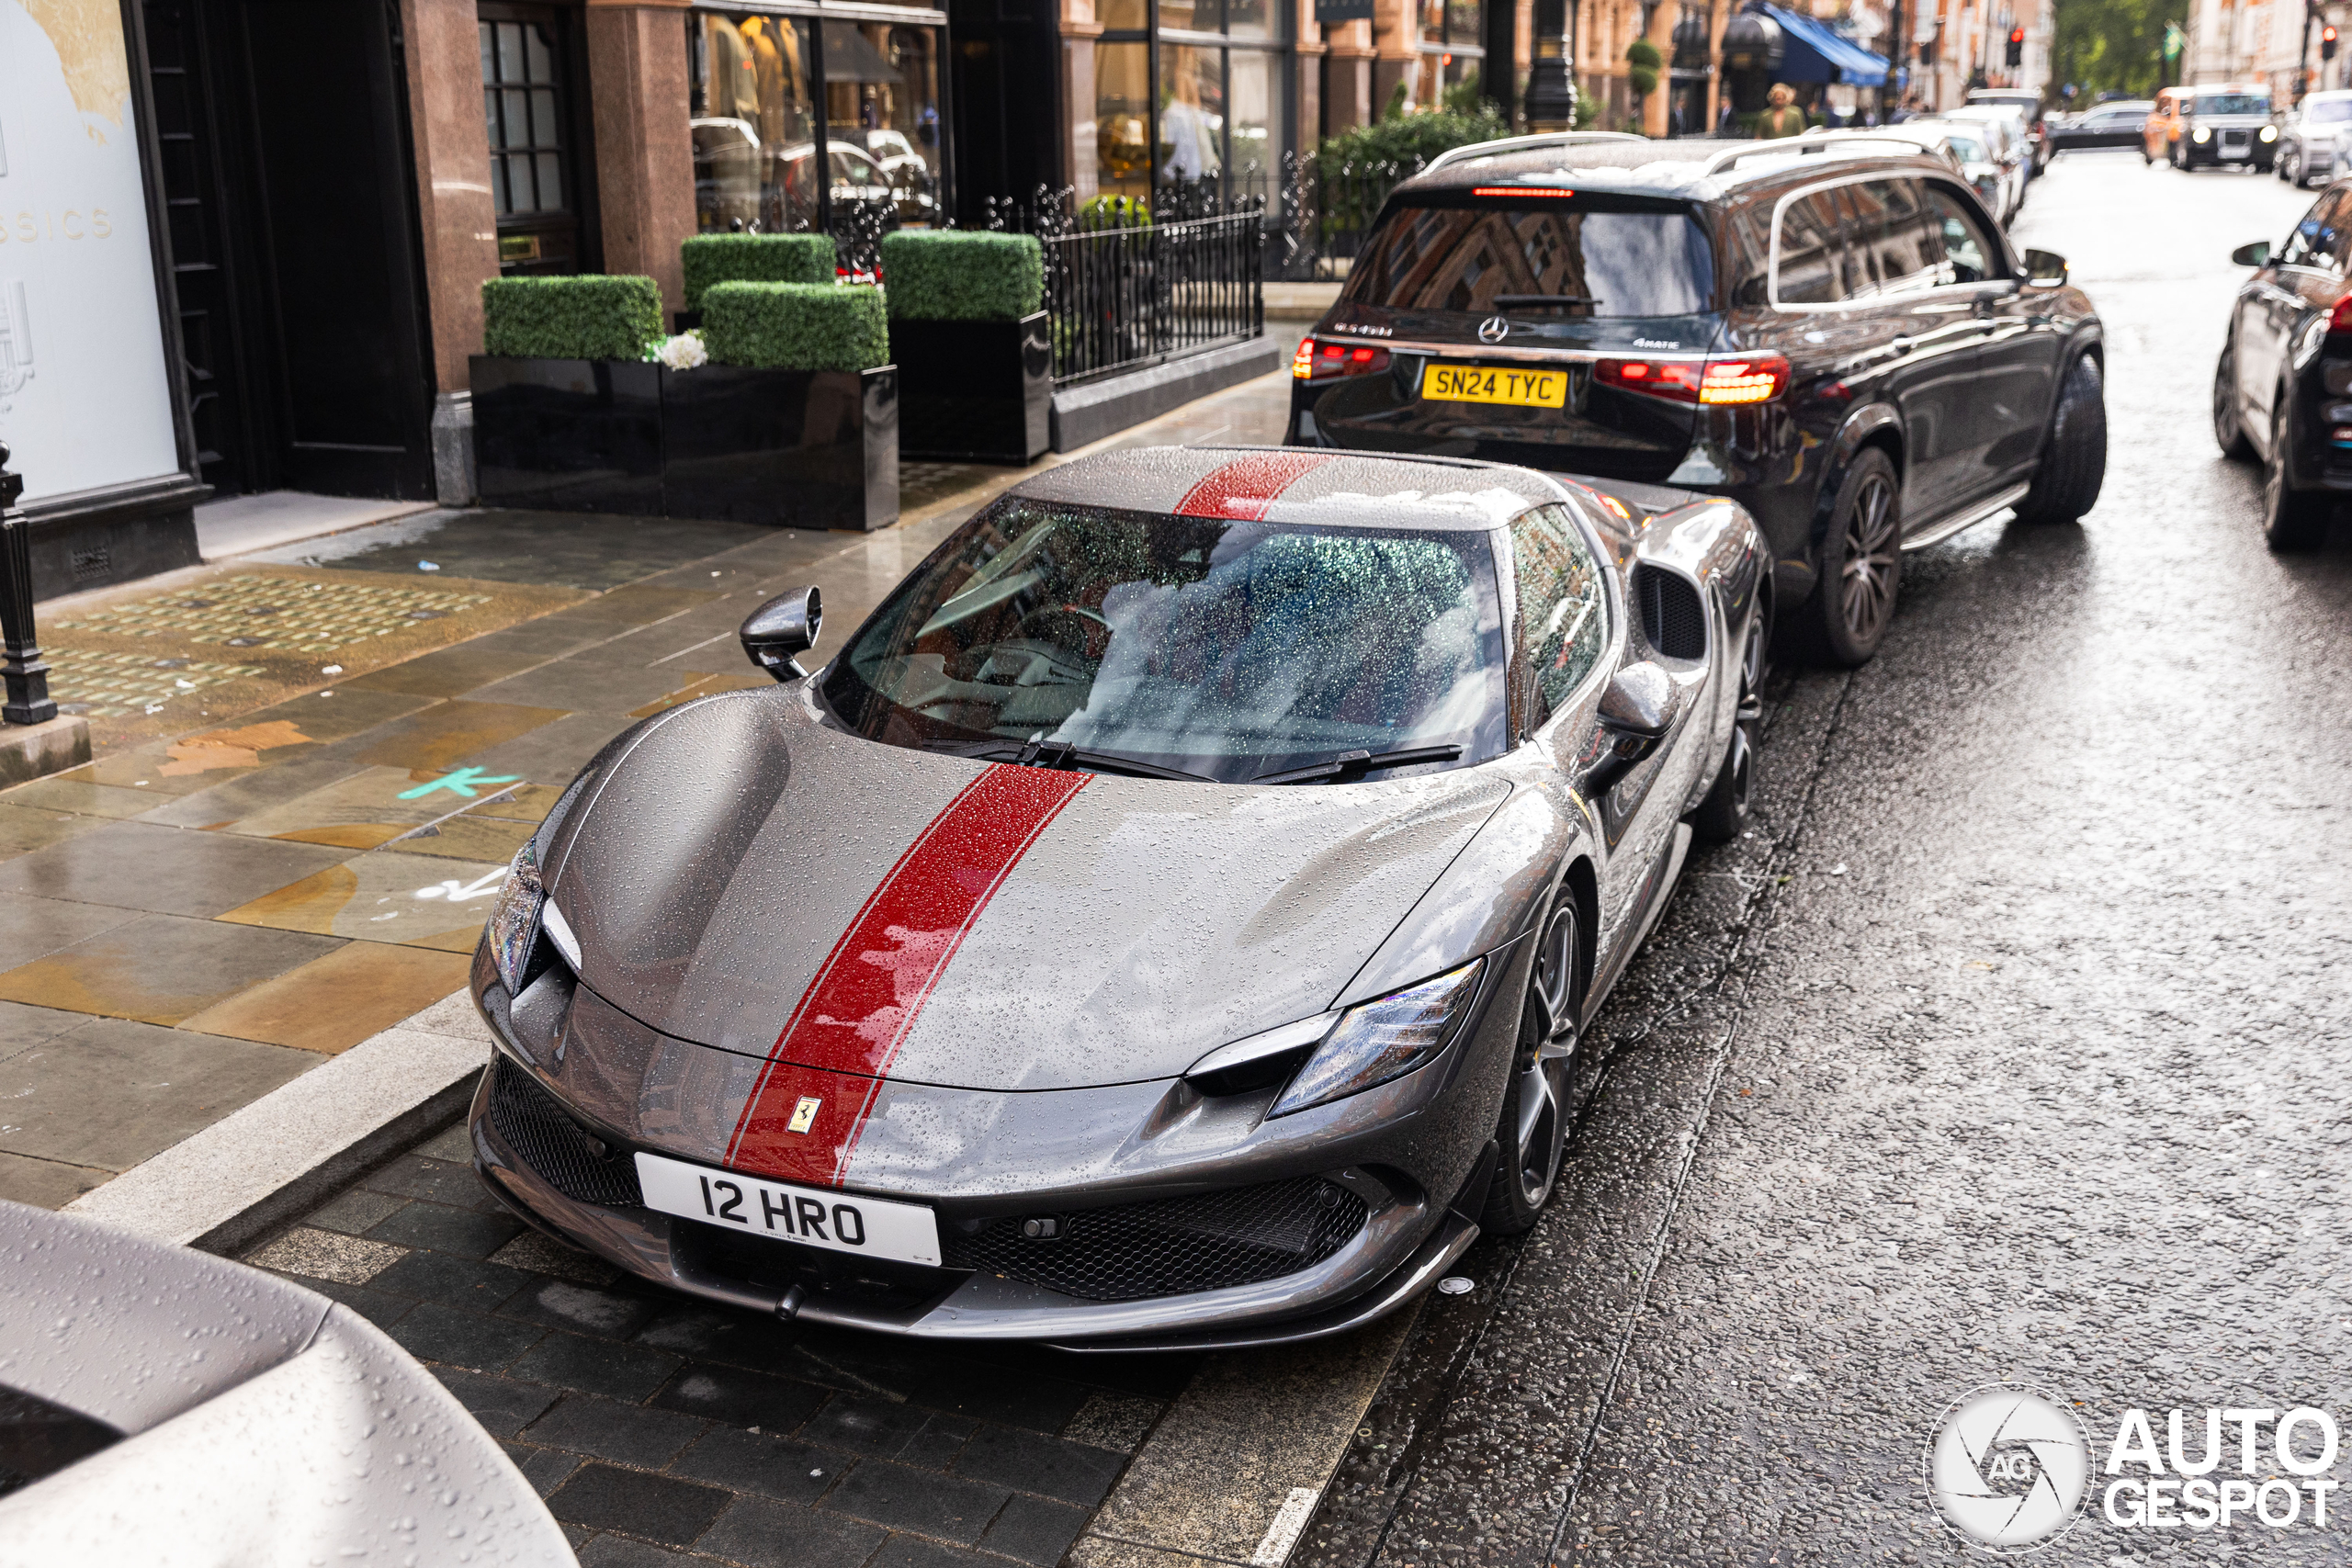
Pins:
x,y
555,1146
1672,616
1169,1248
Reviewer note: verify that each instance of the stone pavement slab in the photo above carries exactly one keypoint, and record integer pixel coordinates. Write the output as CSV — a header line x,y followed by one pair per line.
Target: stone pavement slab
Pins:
x,y
207,868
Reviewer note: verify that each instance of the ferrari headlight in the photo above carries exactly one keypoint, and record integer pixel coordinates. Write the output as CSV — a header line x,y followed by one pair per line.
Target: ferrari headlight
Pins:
x,y
1382,1039
514,923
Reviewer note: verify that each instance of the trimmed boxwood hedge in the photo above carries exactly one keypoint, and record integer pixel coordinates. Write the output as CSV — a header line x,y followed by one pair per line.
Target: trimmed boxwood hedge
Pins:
x,y
754,258
570,317
796,326
949,275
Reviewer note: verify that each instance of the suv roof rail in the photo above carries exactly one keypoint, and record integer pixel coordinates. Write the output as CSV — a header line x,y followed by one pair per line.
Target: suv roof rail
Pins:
x,y
1813,141
1526,144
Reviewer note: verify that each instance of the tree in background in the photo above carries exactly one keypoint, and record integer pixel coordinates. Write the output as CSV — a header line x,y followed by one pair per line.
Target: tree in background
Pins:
x,y
2113,45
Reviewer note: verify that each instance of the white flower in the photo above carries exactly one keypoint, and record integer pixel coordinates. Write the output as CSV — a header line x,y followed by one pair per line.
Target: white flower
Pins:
x,y
683,351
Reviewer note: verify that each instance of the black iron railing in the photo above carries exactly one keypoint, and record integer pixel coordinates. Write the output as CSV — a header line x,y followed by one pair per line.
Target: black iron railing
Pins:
x,y
1131,284
1326,210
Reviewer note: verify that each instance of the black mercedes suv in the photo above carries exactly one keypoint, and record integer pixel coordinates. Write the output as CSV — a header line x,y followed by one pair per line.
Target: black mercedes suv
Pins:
x,y
1830,331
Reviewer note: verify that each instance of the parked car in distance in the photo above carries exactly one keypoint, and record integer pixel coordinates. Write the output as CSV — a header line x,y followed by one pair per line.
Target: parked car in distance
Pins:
x,y
1965,144
2006,139
2027,103
2211,126
161,1406
2118,124
1220,853
2311,138
1834,335
2286,369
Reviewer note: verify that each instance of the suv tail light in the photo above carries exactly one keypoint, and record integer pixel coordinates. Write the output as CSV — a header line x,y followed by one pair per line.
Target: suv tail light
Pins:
x,y
1748,378
1322,361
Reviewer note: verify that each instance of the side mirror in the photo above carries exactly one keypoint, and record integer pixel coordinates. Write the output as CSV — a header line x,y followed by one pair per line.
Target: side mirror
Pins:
x,y
2255,254
783,626
2045,269
1637,712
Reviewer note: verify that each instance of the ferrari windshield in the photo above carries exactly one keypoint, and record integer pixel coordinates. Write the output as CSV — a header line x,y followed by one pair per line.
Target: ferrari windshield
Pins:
x,y
1229,650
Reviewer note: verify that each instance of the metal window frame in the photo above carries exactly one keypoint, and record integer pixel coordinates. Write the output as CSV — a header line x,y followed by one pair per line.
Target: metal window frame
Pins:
x,y
1942,290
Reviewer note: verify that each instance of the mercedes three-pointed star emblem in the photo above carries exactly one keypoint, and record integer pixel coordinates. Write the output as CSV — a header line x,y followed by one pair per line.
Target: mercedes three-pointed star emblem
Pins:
x,y
1494,329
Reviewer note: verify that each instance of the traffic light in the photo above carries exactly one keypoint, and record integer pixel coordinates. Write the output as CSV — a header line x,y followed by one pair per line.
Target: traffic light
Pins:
x,y
2016,47
2327,43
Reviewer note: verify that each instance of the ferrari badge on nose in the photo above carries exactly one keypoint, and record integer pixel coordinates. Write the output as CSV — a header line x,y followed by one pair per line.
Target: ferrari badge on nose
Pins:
x,y
804,1115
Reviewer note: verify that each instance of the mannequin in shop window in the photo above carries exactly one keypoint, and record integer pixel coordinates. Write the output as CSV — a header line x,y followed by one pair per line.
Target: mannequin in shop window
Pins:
x,y
1187,137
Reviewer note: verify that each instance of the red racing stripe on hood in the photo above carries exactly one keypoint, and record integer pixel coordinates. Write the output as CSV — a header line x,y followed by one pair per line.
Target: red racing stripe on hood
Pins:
x,y
1242,489
858,1010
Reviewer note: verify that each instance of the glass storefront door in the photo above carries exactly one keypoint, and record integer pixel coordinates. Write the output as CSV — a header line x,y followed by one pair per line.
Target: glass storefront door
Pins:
x,y
537,181
1190,96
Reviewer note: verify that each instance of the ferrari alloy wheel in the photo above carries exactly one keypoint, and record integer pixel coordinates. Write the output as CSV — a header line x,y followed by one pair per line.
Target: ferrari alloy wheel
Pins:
x,y
1861,561
1724,813
1534,1128
2292,520
2229,430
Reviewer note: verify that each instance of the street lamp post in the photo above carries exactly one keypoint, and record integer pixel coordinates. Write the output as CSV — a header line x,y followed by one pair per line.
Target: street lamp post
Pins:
x,y
1551,75
23,670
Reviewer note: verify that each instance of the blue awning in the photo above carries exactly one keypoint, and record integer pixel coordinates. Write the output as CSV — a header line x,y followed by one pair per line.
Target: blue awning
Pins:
x,y
1815,53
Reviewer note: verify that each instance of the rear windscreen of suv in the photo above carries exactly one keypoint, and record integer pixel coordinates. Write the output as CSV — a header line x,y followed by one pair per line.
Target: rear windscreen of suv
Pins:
x,y
1587,256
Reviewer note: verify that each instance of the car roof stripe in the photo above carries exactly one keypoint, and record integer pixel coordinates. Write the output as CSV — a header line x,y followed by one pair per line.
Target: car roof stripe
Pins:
x,y
863,1001
1242,489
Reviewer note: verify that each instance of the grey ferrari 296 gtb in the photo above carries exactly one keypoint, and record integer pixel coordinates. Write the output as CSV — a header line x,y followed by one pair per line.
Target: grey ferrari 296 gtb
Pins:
x,y
1169,921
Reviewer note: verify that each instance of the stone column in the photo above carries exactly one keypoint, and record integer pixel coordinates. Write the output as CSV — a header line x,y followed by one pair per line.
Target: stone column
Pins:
x,y
1396,32
1348,100
645,153
452,150
1661,36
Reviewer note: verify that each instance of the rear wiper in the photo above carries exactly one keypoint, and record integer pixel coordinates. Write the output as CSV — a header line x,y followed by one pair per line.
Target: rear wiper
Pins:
x,y
1505,301
1358,763
1061,754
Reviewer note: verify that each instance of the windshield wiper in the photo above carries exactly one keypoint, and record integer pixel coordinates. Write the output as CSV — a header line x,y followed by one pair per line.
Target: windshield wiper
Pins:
x,y
1359,762
1505,301
1061,754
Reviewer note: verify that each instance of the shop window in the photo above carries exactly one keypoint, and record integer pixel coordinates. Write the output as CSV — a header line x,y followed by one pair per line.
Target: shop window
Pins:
x,y
882,117
1122,119
536,166
1450,48
777,99
1174,107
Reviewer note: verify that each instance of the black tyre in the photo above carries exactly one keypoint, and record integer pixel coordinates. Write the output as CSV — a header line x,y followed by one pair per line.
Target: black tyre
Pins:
x,y
1534,1131
1721,816
2074,459
2228,429
2292,520
1861,561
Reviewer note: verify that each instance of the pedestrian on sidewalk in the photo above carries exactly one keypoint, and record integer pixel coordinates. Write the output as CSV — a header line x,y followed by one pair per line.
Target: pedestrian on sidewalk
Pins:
x,y
1783,118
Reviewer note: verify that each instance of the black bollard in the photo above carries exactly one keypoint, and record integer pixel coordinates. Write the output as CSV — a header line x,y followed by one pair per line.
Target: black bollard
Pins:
x,y
23,669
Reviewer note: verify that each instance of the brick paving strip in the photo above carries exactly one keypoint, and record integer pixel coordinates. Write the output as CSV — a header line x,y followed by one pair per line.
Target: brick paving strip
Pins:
x,y
231,1008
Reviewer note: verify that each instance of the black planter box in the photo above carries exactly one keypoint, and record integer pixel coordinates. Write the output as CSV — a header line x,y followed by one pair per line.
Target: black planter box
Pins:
x,y
787,448
567,435
973,390
810,448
